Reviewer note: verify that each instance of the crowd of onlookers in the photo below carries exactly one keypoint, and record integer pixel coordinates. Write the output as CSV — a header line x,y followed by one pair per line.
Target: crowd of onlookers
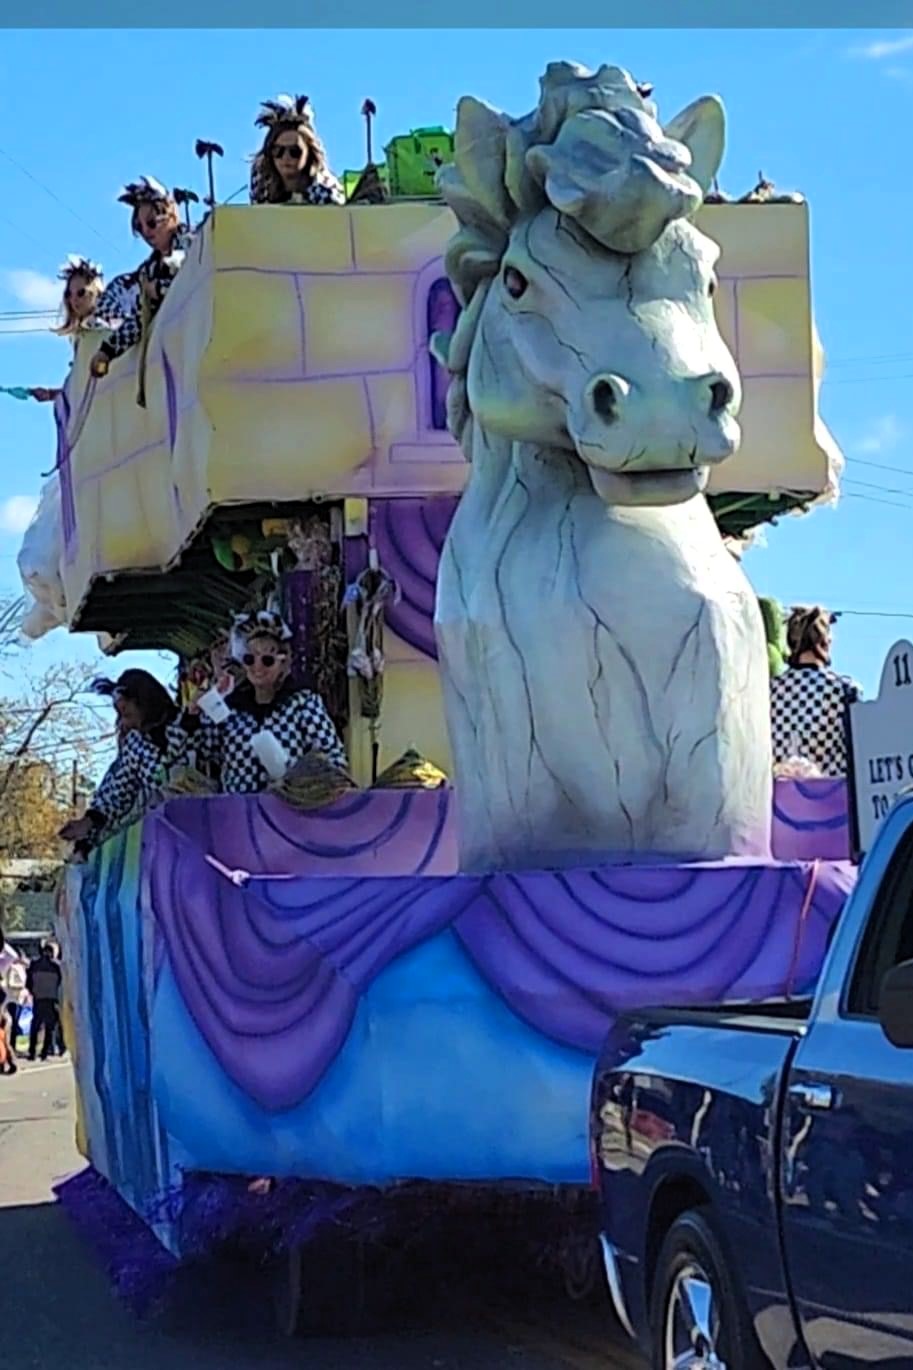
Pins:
x,y
30,994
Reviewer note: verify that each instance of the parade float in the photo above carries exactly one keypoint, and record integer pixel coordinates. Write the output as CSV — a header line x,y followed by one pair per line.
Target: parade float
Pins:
x,y
539,407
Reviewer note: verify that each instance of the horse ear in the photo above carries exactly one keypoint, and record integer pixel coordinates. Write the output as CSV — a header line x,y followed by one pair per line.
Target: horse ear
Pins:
x,y
702,129
479,153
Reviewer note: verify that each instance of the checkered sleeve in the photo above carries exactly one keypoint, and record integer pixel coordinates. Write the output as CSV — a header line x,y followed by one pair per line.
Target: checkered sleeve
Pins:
x,y
117,300
318,730
126,335
326,190
127,780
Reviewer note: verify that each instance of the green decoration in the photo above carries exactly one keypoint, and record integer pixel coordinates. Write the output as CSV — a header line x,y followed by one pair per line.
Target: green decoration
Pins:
x,y
775,633
221,548
414,159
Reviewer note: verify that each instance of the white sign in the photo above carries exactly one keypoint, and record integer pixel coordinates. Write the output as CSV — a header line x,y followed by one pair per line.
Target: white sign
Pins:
x,y
881,739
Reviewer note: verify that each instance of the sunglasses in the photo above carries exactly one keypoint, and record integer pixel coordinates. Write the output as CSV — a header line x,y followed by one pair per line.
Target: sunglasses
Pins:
x,y
267,660
287,150
79,294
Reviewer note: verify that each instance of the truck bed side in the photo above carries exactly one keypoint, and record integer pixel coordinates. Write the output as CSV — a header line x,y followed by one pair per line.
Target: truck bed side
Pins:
x,y
686,1113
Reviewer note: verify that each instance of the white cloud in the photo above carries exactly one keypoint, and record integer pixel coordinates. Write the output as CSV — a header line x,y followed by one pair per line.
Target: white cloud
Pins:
x,y
884,433
16,513
885,47
32,290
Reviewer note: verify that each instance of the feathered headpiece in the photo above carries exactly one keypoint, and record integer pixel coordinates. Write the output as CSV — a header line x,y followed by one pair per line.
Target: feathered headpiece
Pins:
x,y
285,110
264,623
79,266
146,191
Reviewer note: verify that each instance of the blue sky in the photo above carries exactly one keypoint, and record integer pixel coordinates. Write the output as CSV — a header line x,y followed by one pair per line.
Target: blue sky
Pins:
x,y
825,112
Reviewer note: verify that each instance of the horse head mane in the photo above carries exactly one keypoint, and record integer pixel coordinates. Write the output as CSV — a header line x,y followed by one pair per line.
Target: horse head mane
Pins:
x,y
592,150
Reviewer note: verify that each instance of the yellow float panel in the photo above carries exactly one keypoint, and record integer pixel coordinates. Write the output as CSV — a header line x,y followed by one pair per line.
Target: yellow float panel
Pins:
x,y
290,360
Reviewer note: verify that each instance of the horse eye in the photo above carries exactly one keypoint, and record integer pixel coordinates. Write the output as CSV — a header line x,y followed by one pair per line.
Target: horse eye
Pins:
x,y
515,282
711,287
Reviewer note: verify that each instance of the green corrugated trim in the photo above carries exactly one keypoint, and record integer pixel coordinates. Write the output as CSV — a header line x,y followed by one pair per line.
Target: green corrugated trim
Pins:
x,y
737,514
183,609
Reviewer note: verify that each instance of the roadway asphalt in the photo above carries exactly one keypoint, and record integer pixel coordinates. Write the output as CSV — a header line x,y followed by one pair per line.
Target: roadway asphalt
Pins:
x,y
57,1309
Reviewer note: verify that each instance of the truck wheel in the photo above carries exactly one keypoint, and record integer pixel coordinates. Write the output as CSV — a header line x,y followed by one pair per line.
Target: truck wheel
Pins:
x,y
698,1318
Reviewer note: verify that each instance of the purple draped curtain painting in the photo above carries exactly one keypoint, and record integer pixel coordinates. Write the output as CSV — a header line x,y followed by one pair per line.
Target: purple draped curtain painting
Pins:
x,y
271,962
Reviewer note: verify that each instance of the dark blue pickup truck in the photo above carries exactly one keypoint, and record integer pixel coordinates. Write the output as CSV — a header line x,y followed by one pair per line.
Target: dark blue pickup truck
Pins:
x,y
755,1163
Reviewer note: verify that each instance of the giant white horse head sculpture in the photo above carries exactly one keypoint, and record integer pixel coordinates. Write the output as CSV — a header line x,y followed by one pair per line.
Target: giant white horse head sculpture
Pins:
x,y
602,655
588,290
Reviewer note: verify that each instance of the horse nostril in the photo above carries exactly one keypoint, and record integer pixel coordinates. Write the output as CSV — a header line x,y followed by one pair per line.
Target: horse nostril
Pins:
x,y
605,401
721,396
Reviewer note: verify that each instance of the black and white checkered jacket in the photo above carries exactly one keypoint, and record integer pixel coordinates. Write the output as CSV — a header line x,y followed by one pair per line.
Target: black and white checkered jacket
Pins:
x,y
160,270
134,778
117,301
324,189
808,717
298,719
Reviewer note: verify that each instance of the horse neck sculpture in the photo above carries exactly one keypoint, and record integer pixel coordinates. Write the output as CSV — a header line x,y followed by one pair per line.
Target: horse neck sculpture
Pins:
x,y
602,655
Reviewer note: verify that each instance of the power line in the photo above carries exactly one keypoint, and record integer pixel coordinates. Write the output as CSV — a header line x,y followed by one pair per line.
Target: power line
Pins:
x,y
886,489
864,361
882,466
863,380
870,613
55,197
873,499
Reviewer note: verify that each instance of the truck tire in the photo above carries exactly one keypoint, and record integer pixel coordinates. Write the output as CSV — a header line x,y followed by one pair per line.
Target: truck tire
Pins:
x,y
697,1309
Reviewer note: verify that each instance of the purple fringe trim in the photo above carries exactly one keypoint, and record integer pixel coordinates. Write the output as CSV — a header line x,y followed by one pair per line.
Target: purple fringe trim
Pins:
x,y
219,1209
208,1212
137,1264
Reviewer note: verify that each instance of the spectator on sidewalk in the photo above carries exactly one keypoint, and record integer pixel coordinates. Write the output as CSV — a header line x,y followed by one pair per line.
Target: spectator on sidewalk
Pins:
x,y
12,983
7,1059
17,997
43,983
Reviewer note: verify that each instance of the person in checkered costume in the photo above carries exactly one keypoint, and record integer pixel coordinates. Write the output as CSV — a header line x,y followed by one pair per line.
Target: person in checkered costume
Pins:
x,y
264,702
809,700
291,166
150,741
156,219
